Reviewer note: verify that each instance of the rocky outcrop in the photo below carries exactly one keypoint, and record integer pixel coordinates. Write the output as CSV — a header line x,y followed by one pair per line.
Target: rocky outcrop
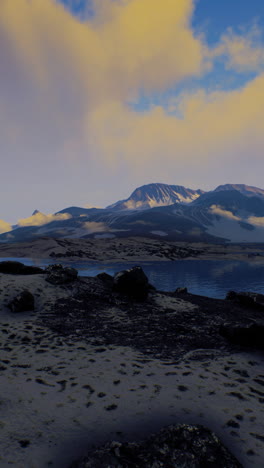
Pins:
x,y
182,446
57,274
133,283
181,291
247,299
251,335
23,302
18,268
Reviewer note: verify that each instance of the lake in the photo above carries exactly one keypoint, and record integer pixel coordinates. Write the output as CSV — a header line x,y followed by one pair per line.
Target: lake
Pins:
x,y
212,278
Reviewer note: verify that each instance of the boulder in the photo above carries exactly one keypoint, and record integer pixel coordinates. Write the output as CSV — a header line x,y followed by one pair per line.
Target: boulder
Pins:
x,y
251,334
181,291
18,268
246,299
23,302
132,282
105,278
182,446
57,274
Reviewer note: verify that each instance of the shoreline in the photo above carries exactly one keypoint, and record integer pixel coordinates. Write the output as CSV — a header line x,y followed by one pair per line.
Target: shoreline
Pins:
x,y
129,250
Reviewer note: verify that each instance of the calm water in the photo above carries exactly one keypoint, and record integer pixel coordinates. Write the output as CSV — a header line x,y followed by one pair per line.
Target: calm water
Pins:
x,y
211,278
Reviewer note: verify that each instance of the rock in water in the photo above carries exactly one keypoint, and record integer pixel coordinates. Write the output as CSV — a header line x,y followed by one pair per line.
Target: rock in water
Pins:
x,y
57,274
22,303
180,446
18,268
132,282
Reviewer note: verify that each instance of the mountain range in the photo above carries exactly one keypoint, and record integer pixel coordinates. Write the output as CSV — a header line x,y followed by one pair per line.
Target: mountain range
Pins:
x,y
230,213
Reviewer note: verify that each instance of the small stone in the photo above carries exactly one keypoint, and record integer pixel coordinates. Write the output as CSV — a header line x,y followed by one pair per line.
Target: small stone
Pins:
x,y
24,443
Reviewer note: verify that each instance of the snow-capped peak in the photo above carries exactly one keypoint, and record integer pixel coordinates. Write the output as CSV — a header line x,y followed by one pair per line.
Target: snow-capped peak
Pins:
x,y
155,195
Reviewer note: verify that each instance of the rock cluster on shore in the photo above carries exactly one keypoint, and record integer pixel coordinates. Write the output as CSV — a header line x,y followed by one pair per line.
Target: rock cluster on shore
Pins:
x,y
180,446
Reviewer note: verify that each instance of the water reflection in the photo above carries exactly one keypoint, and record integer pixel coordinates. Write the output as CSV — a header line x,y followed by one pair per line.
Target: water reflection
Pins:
x,y
211,278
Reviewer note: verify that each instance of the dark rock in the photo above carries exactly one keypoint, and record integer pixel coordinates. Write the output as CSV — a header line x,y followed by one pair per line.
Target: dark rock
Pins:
x,y
18,268
133,283
22,303
57,274
105,278
180,446
231,295
24,443
247,299
251,335
181,291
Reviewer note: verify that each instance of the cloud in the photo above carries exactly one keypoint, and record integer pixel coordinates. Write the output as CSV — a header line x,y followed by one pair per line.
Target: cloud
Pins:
x,y
128,45
4,227
39,219
217,210
256,221
93,226
88,206
58,72
253,220
66,83
242,52
215,129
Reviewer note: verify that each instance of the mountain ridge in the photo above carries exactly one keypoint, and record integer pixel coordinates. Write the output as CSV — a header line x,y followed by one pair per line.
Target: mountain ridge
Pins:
x,y
230,213
156,194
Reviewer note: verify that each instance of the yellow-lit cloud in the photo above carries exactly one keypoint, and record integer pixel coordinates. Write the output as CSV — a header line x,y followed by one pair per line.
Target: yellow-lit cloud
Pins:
x,y
138,43
65,86
220,126
256,221
39,219
93,226
253,220
217,210
88,206
4,226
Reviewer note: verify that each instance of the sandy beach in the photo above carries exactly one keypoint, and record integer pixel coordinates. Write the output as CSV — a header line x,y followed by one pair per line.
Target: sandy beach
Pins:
x,y
61,394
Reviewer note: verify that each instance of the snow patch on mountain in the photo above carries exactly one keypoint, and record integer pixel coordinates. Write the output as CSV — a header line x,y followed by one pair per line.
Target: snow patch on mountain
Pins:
x,y
235,231
159,233
156,195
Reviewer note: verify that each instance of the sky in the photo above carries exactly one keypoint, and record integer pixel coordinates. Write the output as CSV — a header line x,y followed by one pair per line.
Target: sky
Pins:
x,y
98,97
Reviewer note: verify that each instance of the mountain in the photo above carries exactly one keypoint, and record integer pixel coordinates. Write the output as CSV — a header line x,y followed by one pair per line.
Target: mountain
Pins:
x,y
233,215
233,201
231,212
162,222
246,190
78,211
154,195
